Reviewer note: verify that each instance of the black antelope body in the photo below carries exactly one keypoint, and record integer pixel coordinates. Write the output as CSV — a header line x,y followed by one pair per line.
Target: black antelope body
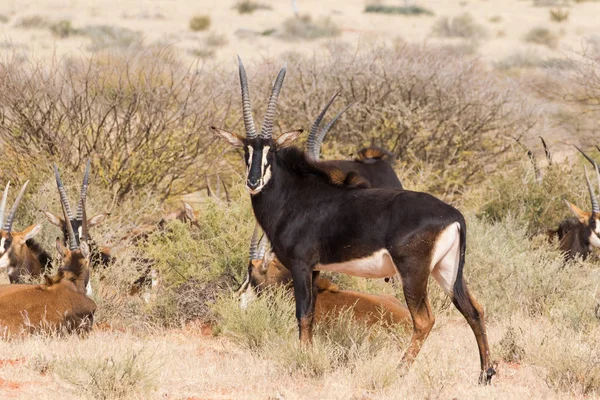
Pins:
x,y
265,271
100,257
315,224
60,303
373,163
20,255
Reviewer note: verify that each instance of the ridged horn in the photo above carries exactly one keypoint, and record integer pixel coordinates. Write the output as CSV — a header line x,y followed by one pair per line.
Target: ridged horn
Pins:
x,y
84,222
326,128
11,216
3,204
262,246
246,106
547,151
587,157
266,131
84,187
64,199
595,207
70,233
254,243
311,144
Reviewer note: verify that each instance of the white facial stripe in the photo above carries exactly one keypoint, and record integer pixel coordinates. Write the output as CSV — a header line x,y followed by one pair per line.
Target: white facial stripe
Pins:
x,y
265,171
2,241
79,232
4,261
250,152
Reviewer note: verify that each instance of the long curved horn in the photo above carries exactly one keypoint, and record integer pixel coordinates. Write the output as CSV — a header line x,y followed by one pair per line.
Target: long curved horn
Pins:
x,y
70,233
84,187
311,144
3,204
11,216
598,176
266,131
246,107
63,195
84,222
587,157
262,246
326,128
254,243
595,207
547,151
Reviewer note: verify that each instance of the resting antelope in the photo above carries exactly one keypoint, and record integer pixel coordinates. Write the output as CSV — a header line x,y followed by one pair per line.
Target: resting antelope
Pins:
x,y
19,253
59,303
264,270
316,221
373,163
100,257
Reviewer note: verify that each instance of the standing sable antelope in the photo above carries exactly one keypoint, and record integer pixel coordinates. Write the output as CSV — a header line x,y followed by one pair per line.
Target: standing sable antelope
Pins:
x,y
59,303
100,257
264,271
19,253
315,224
374,164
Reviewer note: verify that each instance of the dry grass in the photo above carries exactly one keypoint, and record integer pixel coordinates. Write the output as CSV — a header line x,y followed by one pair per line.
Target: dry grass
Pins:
x,y
462,26
304,28
543,37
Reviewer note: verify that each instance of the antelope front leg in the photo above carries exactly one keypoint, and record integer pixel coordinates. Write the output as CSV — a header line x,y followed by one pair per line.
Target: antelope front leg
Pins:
x,y
305,294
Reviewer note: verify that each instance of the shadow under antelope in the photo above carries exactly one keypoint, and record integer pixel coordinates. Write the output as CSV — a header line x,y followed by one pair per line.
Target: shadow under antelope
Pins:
x,y
59,304
314,223
20,255
265,271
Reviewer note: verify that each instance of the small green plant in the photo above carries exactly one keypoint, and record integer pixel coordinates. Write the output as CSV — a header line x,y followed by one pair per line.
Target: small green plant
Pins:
x,y
199,23
63,29
400,10
304,27
461,26
249,6
559,15
543,37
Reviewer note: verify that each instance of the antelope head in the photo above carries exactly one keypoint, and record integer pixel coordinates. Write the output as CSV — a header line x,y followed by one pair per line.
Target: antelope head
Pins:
x,y
13,244
259,149
591,220
76,222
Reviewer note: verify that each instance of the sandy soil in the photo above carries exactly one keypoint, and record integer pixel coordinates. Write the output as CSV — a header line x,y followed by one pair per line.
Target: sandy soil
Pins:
x,y
166,21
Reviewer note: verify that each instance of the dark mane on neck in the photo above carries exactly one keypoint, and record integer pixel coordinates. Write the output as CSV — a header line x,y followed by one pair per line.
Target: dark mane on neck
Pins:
x,y
295,161
42,255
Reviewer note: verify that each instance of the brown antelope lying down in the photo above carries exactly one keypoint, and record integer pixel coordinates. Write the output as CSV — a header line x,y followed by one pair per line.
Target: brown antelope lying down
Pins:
x,y
20,255
58,304
264,271
577,236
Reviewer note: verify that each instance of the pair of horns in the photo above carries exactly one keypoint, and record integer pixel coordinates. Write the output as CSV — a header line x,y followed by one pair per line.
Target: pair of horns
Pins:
x,y
258,247
594,199
68,214
266,131
316,136
7,225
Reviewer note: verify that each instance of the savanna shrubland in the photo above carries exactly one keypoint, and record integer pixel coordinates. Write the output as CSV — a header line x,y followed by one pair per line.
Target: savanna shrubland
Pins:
x,y
448,118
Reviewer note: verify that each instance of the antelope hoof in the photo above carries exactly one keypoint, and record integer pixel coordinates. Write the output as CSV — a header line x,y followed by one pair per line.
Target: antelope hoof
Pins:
x,y
485,378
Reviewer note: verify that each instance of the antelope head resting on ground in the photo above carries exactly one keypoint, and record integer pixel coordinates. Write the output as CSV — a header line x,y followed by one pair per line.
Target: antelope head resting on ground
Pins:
x,y
19,254
58,304
372,163
317,219
265,271
100,257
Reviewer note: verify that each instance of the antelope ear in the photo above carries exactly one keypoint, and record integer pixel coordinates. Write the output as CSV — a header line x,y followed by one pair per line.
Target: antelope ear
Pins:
x,y
53,219
97,219
62,250
583,216
31,231
286,139
85,249
232,138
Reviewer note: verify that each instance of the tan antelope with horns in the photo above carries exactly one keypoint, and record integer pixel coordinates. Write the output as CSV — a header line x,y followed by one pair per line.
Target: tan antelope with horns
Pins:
x,y
20,255
265,271
59,303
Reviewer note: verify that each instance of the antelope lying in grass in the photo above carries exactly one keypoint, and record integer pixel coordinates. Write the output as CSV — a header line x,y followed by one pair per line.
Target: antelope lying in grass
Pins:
x,y
20,255
373,164
58,304
315,223
99,257
264,271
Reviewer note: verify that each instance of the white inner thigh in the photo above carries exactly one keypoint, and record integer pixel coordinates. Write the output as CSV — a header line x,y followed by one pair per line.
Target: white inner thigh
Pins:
x,y
446,256
377,265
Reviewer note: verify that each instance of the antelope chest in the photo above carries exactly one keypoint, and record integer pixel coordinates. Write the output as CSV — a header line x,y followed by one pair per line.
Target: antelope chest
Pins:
x,y
377,265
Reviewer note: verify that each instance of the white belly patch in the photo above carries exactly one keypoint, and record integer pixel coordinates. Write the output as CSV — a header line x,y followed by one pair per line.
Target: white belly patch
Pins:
x,y
377,265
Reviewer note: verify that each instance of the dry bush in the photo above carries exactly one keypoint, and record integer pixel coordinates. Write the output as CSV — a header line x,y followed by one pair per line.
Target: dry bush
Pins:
x,y
543,37
141,116
461,26
32,22
111,37
304,28
63,29
199,23
215,40
559,15
550,3
399,10
4,19
249,6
